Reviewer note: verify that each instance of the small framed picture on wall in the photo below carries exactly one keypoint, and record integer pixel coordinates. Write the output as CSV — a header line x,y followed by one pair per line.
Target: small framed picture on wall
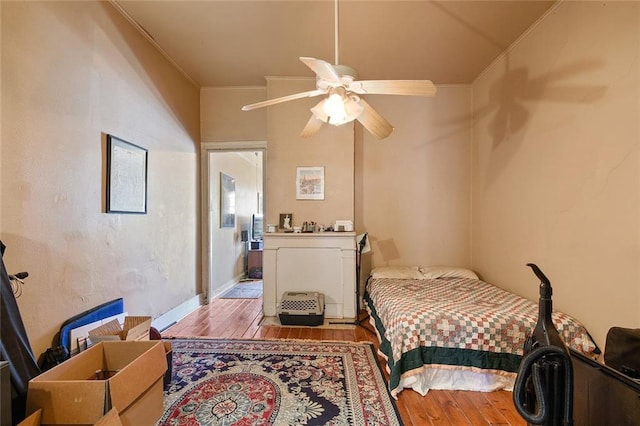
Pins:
x,y
126,177
227,201
310,183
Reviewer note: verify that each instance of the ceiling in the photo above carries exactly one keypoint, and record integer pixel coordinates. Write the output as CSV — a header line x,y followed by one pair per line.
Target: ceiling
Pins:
x,y
239,43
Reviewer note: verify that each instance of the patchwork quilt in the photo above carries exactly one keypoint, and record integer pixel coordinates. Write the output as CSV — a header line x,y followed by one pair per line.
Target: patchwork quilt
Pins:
x,y
457,322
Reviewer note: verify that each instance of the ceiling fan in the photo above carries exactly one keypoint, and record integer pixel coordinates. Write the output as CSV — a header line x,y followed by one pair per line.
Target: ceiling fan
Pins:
x,y
344,102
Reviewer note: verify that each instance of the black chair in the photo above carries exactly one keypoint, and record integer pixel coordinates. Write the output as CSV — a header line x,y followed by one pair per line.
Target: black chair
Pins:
x,y
361,245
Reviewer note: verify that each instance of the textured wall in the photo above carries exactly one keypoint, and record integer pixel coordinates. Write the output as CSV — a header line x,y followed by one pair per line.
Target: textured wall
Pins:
x,y
71,73
556,176
412,188
222,118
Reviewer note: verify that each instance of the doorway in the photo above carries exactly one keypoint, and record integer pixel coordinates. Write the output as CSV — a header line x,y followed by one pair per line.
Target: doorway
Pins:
x,y
233,201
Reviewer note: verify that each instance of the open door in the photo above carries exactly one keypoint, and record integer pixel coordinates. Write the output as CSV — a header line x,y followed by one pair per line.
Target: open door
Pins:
x,y
233,194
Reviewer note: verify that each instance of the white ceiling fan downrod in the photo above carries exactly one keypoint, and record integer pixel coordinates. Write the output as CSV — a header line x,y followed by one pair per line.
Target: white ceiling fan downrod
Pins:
x,y
335,36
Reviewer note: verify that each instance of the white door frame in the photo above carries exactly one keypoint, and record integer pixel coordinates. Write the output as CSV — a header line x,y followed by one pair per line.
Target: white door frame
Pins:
x,y
205,178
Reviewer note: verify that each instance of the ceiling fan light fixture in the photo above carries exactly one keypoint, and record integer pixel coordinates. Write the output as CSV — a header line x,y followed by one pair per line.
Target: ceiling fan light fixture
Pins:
x,y
338,108
353,107
335,109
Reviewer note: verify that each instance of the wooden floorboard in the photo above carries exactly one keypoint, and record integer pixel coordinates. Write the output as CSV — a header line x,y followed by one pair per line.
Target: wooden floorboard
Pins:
x,y
241,319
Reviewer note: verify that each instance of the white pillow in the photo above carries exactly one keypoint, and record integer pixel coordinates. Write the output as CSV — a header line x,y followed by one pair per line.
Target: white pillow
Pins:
x,y
399,272
432,272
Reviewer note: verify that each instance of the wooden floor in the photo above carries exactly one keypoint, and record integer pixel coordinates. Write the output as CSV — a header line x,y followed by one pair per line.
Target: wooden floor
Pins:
x,y
240,319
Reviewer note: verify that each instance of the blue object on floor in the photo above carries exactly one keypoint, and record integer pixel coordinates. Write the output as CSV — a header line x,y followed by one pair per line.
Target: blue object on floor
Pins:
x,y
100,312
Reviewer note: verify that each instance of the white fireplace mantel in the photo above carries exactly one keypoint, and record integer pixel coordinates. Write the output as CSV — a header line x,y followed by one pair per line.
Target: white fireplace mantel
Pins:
x,y
323,262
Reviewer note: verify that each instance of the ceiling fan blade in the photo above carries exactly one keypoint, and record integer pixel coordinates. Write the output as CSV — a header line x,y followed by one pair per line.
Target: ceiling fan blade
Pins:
x,y
374,122
268,102
313,126
323,69
394,87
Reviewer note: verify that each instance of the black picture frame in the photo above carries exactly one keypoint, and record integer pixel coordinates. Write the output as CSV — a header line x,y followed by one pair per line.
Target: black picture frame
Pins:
x,y
126,177
286,221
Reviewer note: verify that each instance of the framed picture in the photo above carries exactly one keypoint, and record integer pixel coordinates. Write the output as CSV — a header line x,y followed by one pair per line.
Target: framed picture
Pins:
x,y
286,221
227,201
310,183
126,177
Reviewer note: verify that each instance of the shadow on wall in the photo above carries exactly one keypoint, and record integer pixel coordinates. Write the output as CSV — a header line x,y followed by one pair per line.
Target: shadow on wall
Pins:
x,y
509,96
513,96
387,249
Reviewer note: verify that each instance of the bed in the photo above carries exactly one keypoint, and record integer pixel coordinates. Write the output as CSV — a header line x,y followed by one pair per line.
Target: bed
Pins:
x,y
444,328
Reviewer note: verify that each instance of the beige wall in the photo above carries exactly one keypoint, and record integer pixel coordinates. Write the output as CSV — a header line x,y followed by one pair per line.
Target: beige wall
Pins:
x,y
412,188
556,176
222,118
72,72
332,148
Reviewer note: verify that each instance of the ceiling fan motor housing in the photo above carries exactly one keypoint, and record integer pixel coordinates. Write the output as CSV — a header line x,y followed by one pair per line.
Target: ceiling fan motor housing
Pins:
x,y
346,71
347,76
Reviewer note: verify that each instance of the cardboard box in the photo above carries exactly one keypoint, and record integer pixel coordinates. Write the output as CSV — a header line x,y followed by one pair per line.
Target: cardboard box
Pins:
x,y
169,353
135,328
32,420
70,393
110,419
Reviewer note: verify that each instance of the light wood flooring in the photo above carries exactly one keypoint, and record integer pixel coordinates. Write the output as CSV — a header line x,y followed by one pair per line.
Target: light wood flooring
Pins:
x,y
240,319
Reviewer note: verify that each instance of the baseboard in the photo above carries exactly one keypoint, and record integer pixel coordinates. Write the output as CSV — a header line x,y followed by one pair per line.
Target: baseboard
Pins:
x,y
167,319
226,286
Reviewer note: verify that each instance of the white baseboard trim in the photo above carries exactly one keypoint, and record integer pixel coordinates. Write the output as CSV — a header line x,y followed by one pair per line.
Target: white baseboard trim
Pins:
x,y
226,286
220,291
176,314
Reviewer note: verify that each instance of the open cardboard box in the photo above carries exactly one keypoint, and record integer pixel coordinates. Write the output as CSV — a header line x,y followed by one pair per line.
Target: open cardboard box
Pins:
x,y
135,328
110,419
70,394
33,419
168,349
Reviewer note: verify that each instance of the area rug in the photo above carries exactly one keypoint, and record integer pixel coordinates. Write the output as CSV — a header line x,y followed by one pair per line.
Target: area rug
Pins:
x,y
277,382
249,290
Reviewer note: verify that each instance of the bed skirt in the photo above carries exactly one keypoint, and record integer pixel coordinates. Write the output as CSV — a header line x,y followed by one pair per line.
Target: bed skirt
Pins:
x,y
444,377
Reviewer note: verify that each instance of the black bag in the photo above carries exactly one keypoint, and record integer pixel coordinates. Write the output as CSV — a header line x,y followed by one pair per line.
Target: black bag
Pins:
x,y
52,357
622,350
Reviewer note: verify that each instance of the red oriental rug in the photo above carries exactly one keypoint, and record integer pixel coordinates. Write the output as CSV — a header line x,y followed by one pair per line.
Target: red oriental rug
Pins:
x,y
278,382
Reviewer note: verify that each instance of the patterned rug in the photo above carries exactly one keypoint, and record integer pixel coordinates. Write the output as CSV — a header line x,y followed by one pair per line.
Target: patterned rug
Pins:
x,y
248,290
286,382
